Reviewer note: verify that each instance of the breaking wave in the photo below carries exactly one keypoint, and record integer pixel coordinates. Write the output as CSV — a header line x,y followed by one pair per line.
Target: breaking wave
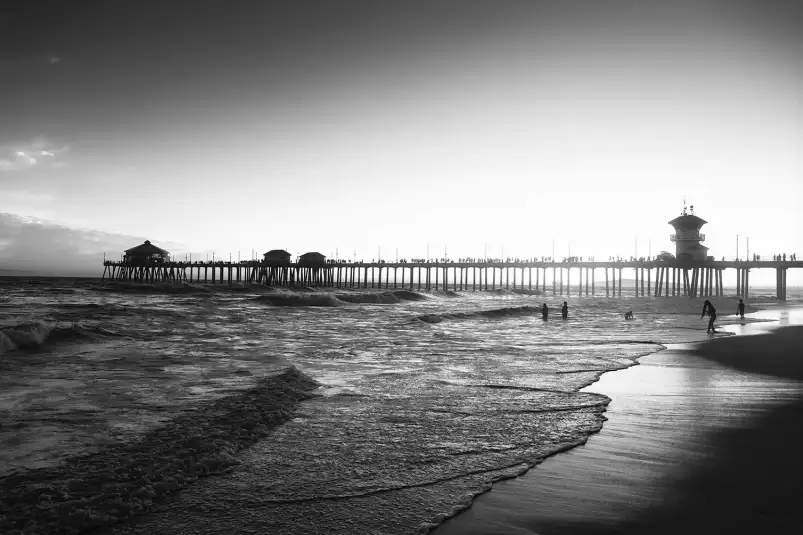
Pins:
x,y
369,298
32,335
389,297
302,298
299,300
407,295
525,291
489,314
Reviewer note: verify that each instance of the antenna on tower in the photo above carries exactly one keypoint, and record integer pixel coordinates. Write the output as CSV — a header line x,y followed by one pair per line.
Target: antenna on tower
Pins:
x,y
684,206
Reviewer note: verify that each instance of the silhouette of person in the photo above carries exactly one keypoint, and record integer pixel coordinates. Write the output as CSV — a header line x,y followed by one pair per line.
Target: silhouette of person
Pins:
x,y
712,312
740,308
565,310
544,311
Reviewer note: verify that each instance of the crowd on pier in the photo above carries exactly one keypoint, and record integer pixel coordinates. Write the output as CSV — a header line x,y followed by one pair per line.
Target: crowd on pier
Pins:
x,y
462,260
664,256
493,260
782,257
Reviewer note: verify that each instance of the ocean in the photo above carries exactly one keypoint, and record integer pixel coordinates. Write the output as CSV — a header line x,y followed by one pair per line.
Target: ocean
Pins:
x,y
390,409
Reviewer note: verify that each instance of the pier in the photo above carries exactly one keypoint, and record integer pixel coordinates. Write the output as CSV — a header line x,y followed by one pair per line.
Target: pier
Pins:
x,y
654,278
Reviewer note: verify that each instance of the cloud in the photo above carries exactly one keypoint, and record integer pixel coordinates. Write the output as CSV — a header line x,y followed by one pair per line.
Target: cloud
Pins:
x,y
33,244
25,155
37,202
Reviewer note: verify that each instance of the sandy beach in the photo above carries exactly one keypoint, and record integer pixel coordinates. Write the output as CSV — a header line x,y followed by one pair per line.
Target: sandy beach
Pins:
x,y
699,439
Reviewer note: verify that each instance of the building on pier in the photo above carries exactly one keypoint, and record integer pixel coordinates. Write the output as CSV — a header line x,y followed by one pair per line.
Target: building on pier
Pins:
x,y
312,259
687,237
277,257
146,254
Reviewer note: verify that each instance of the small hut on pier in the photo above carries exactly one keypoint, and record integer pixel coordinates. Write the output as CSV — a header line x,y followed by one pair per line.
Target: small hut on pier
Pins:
x,y
277,257
312,259
697,251
146,254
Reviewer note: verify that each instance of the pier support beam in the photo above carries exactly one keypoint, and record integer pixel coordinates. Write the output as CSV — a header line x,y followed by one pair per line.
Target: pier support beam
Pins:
x,y
746,284
587,274
554,280
780,285
704,276
568,281
666,281
657,291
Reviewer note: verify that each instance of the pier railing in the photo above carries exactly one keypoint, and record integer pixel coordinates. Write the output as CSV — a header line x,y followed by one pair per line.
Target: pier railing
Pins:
x,y
699,236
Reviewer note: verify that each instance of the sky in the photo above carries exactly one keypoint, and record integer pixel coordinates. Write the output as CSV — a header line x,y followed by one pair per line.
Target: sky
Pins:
x,y
359,129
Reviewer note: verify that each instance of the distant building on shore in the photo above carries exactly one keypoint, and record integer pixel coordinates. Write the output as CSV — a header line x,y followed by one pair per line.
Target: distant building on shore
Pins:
x,y
312,259
147,253
277,257
687,236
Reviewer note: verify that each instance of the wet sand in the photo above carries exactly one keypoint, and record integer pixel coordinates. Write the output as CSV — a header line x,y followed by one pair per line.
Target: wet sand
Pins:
x,y
690,446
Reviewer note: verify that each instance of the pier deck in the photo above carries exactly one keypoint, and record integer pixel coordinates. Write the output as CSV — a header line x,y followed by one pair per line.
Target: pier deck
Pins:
x,y
662,277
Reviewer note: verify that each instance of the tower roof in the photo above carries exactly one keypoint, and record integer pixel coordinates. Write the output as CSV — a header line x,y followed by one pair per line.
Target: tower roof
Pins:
x,y
688,221
146,248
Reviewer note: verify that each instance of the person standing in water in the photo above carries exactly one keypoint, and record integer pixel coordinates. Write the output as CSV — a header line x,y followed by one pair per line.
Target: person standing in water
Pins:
x,y
740,308
565,310
712,312
544,312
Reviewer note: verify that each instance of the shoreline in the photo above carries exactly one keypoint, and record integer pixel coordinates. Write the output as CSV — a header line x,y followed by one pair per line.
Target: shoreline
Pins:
x,y
659,447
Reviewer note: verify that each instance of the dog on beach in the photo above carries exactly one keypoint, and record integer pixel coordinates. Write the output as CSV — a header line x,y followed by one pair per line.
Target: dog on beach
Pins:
x,y
629,315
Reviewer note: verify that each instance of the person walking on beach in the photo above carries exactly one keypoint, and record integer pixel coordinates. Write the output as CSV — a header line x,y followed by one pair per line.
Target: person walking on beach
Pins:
x,y
544,312
740,308
712,312
565,310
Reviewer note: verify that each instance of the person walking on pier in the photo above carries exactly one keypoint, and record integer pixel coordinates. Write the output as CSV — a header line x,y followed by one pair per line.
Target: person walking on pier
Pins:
x,y
544,312
740,308
712,312
564,312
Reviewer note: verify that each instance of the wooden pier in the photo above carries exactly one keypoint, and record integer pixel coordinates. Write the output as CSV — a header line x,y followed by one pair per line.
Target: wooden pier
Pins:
x,y
652,278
